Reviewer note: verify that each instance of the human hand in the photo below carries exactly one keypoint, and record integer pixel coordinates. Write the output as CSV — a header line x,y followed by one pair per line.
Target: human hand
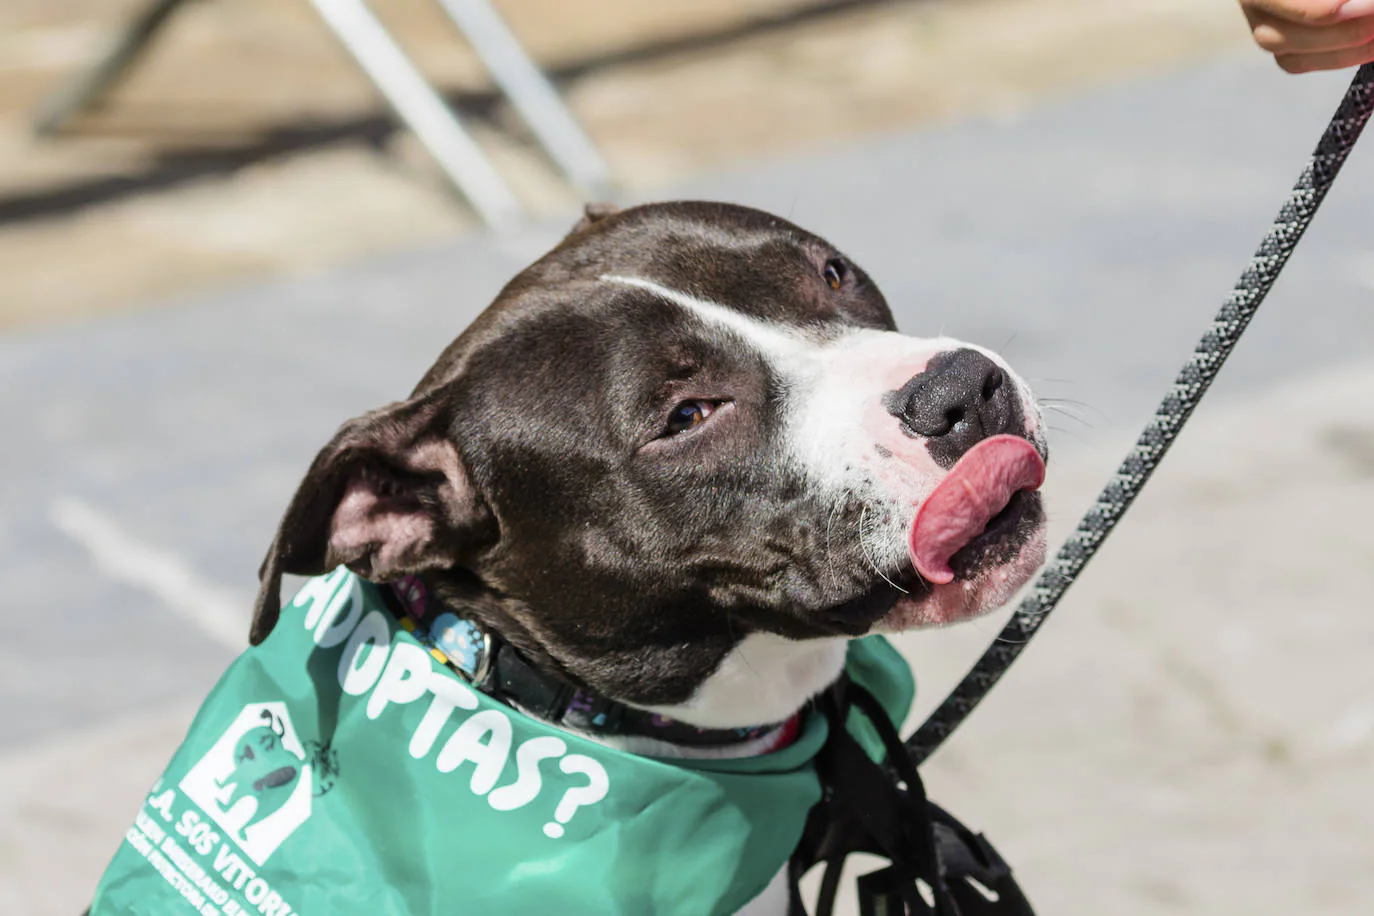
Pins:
x,y
1307,35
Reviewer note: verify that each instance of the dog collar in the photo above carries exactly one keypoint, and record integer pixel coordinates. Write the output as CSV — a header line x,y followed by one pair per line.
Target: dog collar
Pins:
x,y
494,667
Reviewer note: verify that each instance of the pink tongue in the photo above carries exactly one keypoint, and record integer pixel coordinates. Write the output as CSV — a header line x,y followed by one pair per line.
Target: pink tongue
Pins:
x,y
978,487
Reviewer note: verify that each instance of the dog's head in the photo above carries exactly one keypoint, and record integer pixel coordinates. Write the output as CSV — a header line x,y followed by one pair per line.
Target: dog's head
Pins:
x,y
688,430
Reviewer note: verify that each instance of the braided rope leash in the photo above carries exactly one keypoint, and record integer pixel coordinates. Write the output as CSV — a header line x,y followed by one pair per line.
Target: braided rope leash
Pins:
x,y
1192,383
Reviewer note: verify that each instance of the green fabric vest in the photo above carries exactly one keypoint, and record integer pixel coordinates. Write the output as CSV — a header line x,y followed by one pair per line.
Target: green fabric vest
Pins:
x,y
339,770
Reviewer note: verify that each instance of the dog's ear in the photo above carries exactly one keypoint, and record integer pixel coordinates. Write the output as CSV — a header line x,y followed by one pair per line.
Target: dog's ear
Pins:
x,y
593,213
386,497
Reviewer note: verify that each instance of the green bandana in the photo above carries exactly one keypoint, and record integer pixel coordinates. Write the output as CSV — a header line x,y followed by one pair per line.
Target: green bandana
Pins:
x,y
338,769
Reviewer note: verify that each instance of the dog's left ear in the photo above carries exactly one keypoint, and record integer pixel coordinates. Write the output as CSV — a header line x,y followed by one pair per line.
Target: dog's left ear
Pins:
x,y
388,496
593,213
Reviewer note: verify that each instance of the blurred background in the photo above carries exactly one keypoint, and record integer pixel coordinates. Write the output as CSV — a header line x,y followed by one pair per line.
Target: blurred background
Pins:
x,y
241,246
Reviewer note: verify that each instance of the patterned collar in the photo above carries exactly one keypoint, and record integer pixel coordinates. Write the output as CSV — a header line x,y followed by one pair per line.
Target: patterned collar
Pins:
x,y
493,666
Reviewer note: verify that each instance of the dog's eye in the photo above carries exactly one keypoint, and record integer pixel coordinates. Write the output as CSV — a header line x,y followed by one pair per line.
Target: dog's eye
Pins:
x,y
834,273
687,415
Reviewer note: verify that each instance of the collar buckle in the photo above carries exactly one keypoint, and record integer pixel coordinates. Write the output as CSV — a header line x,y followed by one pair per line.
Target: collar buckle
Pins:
x,y
466,646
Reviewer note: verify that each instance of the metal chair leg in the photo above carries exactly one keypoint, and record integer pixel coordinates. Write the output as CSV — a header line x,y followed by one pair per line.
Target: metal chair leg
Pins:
x,y
533,96
89,87
401,84
417,104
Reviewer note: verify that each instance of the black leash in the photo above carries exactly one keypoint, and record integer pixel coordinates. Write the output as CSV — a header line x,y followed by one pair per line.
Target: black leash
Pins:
x,y
1192,382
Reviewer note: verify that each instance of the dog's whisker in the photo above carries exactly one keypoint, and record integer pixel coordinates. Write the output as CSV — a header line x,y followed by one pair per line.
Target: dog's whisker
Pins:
x,y
978,624
829,553
1082,423
863,546
1064,411
1075,431
744,659
1085,406
920,578
1071,433
1072,416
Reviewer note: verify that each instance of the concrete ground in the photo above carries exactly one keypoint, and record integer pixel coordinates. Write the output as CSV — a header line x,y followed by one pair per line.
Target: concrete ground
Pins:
x,y
1191,735
223,156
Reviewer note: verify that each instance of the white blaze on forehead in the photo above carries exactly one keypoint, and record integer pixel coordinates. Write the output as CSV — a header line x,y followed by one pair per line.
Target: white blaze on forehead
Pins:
x,y
768,338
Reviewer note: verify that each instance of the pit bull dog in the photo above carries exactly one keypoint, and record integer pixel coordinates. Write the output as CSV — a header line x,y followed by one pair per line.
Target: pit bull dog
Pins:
x,y
673,471
681,460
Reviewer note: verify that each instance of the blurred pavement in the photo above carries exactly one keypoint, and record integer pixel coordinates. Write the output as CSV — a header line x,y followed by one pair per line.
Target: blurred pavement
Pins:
x,y
1195,731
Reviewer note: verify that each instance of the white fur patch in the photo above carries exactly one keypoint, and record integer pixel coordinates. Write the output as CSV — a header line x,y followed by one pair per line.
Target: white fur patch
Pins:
x,y
764,679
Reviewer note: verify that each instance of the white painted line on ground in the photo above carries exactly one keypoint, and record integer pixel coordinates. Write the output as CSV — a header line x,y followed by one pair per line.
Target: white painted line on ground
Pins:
x,y
124,558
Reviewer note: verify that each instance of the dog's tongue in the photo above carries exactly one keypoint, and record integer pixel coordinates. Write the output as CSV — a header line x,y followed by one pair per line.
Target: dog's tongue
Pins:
x,y
978,487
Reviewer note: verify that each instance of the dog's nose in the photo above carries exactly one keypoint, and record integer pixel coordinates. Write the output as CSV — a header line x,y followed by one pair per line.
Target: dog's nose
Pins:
x,y
960,399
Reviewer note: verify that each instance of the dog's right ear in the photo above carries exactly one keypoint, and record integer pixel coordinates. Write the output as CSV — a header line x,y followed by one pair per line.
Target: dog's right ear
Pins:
x,y
388,496
593,213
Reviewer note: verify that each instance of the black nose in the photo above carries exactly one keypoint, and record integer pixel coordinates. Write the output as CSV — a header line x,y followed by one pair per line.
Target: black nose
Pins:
x,y
960,399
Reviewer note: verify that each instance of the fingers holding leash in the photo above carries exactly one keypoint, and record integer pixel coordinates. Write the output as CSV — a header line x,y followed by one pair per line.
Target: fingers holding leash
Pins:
x,y
1309,35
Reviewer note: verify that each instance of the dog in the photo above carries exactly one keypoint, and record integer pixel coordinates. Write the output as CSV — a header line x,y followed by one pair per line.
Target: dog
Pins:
x,y
679,466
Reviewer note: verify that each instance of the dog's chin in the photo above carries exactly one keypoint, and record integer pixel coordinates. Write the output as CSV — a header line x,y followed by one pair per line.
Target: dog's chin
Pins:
x,y
971,594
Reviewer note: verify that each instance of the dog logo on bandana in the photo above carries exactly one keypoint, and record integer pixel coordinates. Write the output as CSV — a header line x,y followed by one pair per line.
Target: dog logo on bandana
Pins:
x,y
258,780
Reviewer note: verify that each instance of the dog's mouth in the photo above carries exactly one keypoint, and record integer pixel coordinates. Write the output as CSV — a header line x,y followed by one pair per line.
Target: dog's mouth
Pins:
x,y
974,507
985,571
1003,535
975,539
1002,538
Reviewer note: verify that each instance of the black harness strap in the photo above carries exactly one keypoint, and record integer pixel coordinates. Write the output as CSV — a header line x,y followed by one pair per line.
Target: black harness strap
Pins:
x,y
938,866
